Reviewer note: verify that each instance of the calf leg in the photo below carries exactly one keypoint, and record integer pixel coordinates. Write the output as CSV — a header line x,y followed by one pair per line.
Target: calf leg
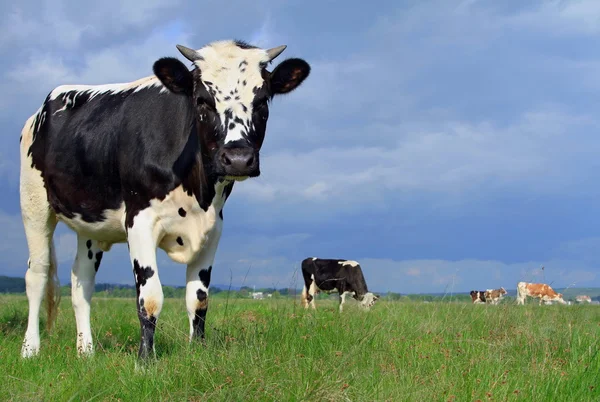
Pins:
x,y
39,222
83,279
196,298
142,252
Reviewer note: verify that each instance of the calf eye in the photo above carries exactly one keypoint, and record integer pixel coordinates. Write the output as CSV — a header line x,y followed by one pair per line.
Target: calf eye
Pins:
x,y
205,104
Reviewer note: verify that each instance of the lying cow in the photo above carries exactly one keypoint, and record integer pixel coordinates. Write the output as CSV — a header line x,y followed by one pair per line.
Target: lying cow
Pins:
x,y
478,296
494,296
331,276
538,290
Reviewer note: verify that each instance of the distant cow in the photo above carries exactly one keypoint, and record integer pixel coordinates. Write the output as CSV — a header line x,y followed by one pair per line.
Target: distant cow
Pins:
x,y
494,296
477,296
583,299
539,290
330,276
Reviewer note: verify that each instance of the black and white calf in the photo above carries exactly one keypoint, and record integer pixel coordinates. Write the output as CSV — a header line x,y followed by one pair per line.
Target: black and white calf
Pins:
x,y
331,276
150,163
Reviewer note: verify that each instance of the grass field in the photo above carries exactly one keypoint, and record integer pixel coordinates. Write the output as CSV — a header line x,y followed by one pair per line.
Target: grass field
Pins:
x,y
273,350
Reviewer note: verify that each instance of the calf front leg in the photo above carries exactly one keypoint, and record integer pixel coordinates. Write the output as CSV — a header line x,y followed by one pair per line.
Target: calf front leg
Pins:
x,y
142,241
196,298
197,284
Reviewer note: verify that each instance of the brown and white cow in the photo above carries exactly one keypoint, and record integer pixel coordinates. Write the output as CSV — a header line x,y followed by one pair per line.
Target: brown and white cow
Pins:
x,y
583,299
478,296
538,290
494,296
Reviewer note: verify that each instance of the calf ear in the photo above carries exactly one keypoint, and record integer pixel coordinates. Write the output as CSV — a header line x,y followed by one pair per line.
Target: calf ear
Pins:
x,y
288,76
174,75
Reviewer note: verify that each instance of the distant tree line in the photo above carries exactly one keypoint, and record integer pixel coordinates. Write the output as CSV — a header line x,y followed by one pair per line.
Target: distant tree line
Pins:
x,y
17,285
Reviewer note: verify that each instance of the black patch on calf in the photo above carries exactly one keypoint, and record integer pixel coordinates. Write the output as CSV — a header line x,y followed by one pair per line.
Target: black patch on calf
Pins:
x,y
88,244
149,147
90,254
142,274
179,240
182,212
99,255
204,276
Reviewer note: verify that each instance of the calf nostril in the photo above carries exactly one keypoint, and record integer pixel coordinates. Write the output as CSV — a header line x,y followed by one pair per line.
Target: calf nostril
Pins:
x,y
225,160
250,161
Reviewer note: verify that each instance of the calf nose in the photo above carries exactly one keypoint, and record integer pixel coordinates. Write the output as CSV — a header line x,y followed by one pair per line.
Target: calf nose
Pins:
x,y
239,161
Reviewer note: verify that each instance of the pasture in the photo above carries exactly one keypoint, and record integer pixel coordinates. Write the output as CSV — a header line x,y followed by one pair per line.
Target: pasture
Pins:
x,y
274,350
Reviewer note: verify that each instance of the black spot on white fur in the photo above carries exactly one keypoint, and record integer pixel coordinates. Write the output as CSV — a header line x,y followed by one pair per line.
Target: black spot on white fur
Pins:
x,y
182,212
98,259
142,274
179,240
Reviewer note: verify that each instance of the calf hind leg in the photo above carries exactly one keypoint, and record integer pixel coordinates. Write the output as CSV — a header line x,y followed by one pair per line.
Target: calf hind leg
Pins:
x,y
83,279
39,222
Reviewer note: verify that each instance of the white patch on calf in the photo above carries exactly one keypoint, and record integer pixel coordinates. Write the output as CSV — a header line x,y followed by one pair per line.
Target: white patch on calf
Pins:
x,y
108,232
95,90
233,73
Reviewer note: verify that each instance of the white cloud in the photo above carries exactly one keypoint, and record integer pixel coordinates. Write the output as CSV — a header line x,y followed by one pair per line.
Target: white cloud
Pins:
x,y
459,158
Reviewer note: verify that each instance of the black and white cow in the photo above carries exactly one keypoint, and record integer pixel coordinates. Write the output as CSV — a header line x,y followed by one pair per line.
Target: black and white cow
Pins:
x,y
331,276
150,163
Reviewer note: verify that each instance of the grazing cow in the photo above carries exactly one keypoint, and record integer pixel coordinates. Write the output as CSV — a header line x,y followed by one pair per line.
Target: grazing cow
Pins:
x,y
330,276
477,296
538,290
494,296
583,299
150,163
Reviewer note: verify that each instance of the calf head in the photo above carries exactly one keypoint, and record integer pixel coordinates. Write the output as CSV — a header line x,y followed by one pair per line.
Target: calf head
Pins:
x,y
369,300
230,89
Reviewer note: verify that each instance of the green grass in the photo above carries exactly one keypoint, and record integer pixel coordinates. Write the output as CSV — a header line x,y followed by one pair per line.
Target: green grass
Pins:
x,y
273,350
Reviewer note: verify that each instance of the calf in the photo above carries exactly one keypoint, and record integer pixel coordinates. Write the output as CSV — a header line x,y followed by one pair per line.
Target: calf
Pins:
x,y
330,276
494,296
537,290
149,163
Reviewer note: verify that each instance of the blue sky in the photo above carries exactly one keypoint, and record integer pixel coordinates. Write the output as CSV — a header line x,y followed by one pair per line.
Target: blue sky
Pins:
x,y
445,145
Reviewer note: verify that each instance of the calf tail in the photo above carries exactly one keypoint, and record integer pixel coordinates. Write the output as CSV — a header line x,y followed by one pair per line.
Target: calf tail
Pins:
x,y
52,291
